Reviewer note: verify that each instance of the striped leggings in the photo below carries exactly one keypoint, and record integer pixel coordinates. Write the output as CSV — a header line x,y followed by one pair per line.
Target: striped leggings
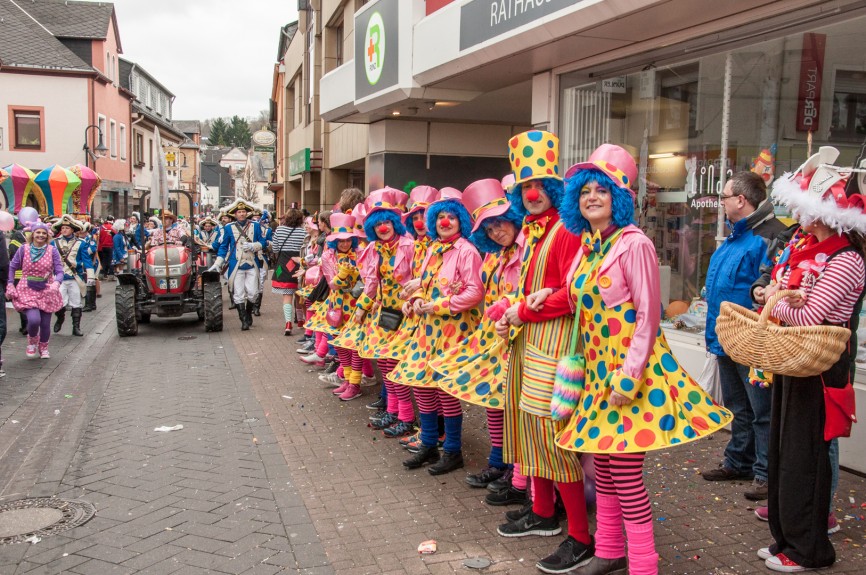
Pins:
x,y
435,400
621,476
399,396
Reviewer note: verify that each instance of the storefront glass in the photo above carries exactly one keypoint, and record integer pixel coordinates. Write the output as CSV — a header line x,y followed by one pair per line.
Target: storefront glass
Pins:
x,y
784,95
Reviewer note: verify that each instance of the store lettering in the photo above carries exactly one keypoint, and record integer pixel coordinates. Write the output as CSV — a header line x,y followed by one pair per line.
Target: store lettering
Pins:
x,y
503,10
705,202
810,110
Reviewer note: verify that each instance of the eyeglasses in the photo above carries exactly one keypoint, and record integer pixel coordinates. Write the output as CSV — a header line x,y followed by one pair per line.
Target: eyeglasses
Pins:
x,y
723,197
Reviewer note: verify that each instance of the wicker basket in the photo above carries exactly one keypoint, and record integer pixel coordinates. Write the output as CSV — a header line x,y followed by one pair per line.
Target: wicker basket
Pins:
x,y
798,351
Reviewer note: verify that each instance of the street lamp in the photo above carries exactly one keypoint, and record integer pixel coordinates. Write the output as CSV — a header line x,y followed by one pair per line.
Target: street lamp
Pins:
x,y
100,150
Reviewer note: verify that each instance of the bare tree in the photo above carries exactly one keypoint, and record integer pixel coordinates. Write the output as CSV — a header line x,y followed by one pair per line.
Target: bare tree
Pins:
x,y
248,191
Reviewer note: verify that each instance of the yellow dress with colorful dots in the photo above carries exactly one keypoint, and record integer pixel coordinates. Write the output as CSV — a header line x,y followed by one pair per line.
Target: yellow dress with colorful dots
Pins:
x,y
346,278
474,371
434,333
317,320
669,409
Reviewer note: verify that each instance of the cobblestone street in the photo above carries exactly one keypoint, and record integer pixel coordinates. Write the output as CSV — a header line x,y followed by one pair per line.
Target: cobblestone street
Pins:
x,y
272,474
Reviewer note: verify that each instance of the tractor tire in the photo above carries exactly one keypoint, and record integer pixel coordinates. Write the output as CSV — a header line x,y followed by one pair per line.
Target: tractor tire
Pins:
x,y
124,310
213,306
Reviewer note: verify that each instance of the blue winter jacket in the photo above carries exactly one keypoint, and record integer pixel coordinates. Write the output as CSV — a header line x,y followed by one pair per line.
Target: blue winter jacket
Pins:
x,y
736,264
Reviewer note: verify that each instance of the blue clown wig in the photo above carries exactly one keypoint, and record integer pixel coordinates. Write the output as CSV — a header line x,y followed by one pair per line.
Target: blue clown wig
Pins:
x,y
483,242
333,244
452,207
377,218
622,203
552,187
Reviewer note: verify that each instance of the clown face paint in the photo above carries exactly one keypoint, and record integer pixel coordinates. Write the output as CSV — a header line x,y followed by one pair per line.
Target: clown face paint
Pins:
x,y
419,224
385,231
535,199
447,225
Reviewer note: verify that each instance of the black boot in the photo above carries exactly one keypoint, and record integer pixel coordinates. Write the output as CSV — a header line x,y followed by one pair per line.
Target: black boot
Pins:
x,y
250,307
61,317
257,306
242,314
425,455
76,322
90,299
450,461
23,329
232,304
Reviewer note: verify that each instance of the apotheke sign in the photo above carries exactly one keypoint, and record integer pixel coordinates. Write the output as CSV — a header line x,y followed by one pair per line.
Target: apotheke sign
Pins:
x,y
481,20
376,54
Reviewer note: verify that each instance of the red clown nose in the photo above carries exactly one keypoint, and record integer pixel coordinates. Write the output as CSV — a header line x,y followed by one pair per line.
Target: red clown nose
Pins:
x,y
383,229
445,223
532,194
419,225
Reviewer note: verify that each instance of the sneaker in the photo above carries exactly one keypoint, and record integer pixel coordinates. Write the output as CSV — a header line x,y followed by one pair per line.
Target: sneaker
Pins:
x,y
722,473
763,513
570,554
376,405
378,415
485,477
387,420
531,524
313,359
764,553
31,351
415,444
43,353
783,564
331,379
307,347
303,339
332,367
2,372
832,525
516,514
368,381
405,441
352,392
502,483
342,389
400,429
288,330
510,496
760,490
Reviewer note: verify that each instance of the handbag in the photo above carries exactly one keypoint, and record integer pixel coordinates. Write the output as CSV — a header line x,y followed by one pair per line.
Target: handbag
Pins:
x,y
334,316
282,260
390,318
571,370
840,411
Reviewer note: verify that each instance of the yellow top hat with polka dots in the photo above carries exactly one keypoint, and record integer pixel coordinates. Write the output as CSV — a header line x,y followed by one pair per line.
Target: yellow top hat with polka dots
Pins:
x,y
534,154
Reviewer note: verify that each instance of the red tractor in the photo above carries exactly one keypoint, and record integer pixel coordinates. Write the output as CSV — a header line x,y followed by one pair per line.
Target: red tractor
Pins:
x,y
169,284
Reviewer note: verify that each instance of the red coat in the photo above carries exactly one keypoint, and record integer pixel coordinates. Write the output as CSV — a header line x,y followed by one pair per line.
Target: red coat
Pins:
x,y
106,238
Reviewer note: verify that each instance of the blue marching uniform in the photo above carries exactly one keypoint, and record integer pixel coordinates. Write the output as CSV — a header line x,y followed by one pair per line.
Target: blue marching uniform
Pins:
x,y
241,247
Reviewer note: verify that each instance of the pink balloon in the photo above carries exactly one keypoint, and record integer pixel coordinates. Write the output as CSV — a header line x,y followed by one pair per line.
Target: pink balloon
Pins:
x,y
28,215
7,222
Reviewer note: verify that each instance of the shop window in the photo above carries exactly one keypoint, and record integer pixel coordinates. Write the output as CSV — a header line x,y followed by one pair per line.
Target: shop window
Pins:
x,y
28,129
849,106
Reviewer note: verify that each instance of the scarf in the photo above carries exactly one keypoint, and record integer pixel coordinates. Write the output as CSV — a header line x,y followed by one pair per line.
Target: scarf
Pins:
x,y
806,258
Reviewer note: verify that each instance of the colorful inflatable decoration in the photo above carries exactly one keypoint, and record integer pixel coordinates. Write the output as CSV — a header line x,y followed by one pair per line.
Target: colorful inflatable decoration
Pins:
x,y
82,197
765,164
57,183
3,176
19,185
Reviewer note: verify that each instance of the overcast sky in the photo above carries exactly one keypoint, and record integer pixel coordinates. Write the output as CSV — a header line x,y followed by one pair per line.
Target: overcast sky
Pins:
x,y
216,56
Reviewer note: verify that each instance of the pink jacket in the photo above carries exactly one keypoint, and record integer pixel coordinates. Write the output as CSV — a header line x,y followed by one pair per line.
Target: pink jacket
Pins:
x,y
369,264
330,269
630,273
462,263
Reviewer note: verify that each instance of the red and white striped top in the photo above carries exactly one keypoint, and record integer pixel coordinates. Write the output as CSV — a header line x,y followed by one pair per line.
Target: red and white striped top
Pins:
x,y
833,296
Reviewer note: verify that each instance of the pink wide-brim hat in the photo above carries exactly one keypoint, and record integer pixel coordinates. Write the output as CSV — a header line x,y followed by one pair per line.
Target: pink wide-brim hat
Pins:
x,y
343,226
614,161
359,214
448,194
389,199
485,199
311,222
420,199
507,182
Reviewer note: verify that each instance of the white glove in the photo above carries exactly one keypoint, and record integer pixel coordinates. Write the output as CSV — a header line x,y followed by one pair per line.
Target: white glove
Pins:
x,y
91,282
217,265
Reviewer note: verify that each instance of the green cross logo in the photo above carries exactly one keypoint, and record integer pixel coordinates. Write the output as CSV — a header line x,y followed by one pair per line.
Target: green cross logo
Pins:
x,y
374,40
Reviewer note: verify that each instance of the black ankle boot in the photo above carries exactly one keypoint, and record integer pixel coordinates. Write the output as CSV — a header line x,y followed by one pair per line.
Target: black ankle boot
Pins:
x,y
90,299
424,455
76,322
257,306
242,314
250,306
61,317
450,461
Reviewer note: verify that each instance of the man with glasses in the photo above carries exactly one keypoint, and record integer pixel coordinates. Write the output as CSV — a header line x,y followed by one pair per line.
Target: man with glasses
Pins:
x,y
734,266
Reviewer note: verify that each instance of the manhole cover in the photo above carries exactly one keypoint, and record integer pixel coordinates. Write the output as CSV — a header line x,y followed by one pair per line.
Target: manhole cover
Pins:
x,y
44,516
187,337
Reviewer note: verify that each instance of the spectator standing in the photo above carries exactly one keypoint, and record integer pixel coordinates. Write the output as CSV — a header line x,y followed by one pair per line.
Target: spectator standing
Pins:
x,y
734,266
106,247
4,272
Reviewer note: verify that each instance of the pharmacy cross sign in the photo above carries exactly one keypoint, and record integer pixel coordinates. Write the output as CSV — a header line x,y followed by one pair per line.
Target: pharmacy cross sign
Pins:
x,y
374,39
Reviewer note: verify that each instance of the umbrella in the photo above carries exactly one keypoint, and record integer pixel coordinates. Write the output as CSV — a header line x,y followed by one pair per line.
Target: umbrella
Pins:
x,y
82,197
18,186
57,183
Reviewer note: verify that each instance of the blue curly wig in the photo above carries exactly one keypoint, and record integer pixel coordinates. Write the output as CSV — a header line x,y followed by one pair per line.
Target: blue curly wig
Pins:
x,y
483,242
552,187
333,244
378,217
452,207
411,229
622,207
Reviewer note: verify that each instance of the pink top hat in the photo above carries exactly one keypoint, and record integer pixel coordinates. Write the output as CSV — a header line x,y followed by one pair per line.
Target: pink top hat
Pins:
x,y
614,161
419,198
485,199
507,182
388,199
359,214
343,226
